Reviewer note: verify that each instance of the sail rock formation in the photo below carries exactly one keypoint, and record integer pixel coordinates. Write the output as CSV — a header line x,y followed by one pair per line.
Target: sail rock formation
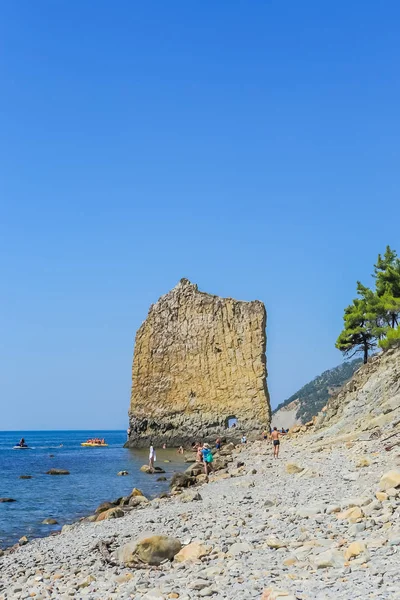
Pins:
x,y
199,363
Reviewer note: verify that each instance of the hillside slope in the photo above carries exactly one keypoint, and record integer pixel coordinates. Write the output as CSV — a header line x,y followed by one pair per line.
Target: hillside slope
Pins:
x,y
368,403
312,397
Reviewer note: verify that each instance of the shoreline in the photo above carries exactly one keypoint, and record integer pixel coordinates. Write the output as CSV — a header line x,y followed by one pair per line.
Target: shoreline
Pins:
x,y
262,526
93,475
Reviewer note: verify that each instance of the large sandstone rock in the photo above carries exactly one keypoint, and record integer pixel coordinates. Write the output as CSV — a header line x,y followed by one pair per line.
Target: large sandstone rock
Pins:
x,y
152,550
199,360
391,479
111,513
192,552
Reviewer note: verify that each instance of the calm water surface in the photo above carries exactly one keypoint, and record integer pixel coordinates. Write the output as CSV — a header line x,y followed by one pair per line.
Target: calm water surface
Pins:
x,y
93,478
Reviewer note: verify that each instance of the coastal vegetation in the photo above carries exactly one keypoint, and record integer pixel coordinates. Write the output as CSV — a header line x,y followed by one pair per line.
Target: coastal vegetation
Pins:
x,y
372,320
313,396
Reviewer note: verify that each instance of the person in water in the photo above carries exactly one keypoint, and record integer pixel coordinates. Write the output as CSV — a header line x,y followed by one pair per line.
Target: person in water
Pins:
x,y
22,443
207,458
180,450
152,457
275,435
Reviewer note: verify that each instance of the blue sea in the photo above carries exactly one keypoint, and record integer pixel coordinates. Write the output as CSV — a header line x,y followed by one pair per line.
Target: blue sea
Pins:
x,y
92,480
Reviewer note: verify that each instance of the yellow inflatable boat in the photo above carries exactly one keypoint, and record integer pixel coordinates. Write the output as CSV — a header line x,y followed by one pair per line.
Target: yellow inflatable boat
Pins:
x,y
93,445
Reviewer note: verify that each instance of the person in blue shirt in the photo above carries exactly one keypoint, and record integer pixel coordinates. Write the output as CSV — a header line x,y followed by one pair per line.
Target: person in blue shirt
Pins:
x,y
207,458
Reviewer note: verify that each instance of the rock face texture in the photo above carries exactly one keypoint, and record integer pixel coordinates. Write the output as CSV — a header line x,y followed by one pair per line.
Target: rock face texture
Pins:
x,y
199,363
369,402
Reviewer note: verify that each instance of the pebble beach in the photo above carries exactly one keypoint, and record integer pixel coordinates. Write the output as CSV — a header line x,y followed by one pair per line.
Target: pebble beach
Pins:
x,y
318,523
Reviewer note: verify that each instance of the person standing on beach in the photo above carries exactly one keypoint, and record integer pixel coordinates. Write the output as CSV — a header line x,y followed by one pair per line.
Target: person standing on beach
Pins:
x,y
207,458
152,457
275,435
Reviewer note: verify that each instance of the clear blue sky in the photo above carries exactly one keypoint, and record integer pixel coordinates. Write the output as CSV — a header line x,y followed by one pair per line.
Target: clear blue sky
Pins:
x,y
252,147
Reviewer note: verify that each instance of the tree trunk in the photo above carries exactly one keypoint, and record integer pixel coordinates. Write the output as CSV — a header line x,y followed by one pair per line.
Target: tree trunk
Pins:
x,y
365,354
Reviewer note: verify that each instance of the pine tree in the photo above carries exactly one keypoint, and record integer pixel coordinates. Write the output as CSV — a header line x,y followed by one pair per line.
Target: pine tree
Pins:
x,y
387,277
360,325
392,338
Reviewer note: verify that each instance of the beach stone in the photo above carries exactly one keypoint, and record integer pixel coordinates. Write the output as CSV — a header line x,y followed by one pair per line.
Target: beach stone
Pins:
x,y
57,472
219,463
193,551
391,479
239,548
381,496
188,497
195,469
198,584
363,462
203,478
23,540
351,514
137,501
136,492
86,582
292,468
104,506
181,480
273,542
122,473
355,549
7,500
329,558
227,449
111,513
152,550
310,511
161,479
49,521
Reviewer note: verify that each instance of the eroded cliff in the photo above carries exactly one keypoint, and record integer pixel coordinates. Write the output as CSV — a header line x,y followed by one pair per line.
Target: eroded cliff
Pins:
x,y
199,363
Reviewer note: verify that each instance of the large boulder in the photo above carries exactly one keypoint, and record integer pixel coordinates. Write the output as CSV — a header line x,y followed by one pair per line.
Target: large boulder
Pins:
x,y
135,501
57,472
136,492
49,522
195,469
104,506
151,550
151,471
227,450
219,463
182,480
190,458
111,513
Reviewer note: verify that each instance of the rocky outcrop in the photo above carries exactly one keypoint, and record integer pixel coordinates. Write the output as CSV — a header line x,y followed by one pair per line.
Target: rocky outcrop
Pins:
x,y
369,403
199,363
